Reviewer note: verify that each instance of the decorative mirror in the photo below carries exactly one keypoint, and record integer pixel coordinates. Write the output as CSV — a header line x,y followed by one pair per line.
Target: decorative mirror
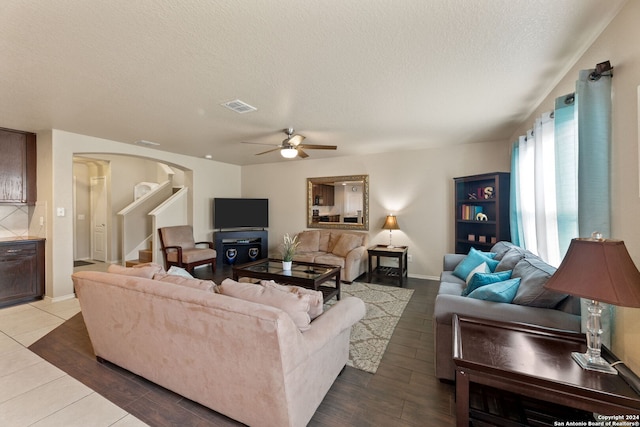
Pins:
x,y
340,202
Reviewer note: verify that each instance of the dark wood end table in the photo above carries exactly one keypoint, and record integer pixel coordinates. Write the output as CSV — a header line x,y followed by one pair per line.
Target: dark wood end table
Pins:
x,y
536,362
399,252
305,274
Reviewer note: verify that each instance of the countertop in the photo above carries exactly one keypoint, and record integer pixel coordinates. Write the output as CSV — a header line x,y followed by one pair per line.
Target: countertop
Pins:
x,y
20,239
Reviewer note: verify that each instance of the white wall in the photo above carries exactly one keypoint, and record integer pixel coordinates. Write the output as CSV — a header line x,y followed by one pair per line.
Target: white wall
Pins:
x,y
417,186
619,44
82,211
122,172
55,183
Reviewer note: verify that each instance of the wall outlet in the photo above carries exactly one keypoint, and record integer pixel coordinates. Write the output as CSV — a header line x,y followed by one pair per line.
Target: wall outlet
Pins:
x,y
409,258
60,212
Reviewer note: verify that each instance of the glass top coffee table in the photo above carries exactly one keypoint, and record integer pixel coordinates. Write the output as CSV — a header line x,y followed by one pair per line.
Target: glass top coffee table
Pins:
x,y
304,274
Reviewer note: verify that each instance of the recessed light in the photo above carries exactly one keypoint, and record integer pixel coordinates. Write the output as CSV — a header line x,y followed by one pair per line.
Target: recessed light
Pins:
x,y
208,156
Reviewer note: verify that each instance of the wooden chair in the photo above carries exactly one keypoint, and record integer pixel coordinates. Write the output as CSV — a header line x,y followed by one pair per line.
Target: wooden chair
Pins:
x,y
179,248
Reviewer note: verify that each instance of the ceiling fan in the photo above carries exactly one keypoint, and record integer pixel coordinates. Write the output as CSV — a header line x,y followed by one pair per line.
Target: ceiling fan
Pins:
x,y
292,146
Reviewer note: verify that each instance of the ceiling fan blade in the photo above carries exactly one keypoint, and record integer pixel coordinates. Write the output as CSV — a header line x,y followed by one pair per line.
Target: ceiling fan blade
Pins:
x,y
295,140
302,154
319,147
260,143
268,151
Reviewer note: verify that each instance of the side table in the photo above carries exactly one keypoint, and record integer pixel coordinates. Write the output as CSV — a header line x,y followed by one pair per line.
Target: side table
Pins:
x,y
533,361
399,252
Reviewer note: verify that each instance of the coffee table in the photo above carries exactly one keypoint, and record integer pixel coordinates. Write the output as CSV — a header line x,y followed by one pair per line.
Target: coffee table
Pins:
x,y
305,274
536,362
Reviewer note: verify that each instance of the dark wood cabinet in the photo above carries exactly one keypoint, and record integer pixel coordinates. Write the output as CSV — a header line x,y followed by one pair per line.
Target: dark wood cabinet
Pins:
x,y
21,270
239,247
323,195
481,211
17,167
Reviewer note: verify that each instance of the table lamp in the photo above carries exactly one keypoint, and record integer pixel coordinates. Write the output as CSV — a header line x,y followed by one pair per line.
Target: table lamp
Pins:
x,y
599,270
391,223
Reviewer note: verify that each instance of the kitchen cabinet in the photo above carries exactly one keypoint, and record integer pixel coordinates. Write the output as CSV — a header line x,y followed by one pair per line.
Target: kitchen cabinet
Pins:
x,y
323,195
17,167
21,270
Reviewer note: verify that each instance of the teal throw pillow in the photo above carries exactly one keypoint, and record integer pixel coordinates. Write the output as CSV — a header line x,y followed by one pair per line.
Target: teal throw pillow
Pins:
x,y
482,279
498,292
472,260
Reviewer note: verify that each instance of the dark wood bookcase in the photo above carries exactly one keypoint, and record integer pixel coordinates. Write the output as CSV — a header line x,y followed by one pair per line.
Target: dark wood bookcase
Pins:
x,y
481,211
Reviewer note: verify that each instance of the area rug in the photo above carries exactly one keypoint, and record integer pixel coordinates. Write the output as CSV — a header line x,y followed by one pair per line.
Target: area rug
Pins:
x,y
370,336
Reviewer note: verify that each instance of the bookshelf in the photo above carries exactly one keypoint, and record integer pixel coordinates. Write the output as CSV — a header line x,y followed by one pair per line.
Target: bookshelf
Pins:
x,y
481,211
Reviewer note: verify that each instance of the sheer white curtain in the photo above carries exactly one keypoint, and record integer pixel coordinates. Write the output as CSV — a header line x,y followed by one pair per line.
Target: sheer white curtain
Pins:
x,y
536,186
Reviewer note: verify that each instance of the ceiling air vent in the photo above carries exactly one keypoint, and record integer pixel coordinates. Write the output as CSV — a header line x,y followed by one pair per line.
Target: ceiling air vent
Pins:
x,y
239,106
146,143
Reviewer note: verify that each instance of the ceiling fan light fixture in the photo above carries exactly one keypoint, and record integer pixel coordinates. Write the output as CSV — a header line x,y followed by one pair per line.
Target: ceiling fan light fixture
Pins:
x,y
289,153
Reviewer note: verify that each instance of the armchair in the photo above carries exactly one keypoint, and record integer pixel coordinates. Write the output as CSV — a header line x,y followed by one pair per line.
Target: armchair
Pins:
x,y
179,248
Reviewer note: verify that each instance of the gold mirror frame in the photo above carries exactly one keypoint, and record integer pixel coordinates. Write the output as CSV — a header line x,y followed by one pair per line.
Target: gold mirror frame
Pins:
x,y
312,221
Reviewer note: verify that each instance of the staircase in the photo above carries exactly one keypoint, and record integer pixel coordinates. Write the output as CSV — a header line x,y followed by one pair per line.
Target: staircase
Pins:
x,y
144,255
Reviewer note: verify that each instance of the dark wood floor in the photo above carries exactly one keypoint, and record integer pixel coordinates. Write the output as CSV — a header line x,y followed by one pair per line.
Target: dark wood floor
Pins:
x,y
403,392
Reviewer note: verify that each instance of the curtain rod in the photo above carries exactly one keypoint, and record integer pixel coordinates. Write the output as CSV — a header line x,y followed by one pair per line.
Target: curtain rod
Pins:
x,y
602,69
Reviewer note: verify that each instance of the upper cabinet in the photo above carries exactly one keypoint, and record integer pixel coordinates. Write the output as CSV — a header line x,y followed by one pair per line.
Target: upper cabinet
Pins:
x,y
323,195
17,167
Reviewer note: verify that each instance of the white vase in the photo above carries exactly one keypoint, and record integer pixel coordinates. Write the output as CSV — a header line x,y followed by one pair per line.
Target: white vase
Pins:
x,y
286,265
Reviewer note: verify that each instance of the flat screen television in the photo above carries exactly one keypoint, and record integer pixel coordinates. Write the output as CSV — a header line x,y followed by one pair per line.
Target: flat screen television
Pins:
x,y
240,213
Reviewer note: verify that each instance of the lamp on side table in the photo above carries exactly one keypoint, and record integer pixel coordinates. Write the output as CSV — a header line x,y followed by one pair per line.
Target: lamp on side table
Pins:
x,y
599,270
390,223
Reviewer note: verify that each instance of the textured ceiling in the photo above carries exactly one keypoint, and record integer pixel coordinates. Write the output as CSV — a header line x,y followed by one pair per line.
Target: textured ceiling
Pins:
x,y
369,75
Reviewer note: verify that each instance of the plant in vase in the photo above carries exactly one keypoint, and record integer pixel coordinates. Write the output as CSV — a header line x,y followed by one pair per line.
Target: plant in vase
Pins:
x,y
289,247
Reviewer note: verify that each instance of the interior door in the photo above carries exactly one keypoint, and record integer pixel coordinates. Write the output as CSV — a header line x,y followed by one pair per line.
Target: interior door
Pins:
x,y
99,218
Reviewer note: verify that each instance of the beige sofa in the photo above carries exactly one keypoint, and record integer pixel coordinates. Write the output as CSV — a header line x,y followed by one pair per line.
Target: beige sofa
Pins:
x,y
243,359
348,249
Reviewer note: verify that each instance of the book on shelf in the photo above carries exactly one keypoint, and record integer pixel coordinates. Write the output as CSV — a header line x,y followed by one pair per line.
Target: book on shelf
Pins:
x,y
469,212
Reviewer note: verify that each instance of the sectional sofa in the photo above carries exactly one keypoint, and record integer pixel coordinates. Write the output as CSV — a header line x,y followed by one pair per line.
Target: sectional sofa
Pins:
x,y
247,360
532,303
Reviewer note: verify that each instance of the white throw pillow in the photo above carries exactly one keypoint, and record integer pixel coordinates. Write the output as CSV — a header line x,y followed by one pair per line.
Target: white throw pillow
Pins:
x,y
482,268
177,271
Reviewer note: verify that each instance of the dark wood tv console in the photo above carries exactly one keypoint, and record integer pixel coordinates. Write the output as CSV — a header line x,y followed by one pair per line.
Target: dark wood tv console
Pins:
x,y
249,245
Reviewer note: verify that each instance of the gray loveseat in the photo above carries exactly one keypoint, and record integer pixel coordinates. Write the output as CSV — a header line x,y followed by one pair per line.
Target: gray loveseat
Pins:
x,y
532,304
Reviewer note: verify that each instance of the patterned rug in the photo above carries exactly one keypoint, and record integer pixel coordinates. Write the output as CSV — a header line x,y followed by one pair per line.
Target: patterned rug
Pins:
x,y
370,336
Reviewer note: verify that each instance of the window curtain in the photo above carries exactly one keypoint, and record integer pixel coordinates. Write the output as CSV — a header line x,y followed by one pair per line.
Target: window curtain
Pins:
x,y
533,184
560,172
560,179
593,96
566,148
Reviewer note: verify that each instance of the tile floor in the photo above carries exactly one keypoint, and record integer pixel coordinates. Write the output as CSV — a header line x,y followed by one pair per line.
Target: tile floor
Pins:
x,y
33,392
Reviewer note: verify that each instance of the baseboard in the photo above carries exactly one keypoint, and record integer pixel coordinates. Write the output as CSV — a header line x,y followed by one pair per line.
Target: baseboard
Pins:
x,y
61,298
422,276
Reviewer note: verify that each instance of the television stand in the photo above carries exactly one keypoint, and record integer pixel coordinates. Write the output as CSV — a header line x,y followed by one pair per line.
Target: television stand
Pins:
x,y
239,247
